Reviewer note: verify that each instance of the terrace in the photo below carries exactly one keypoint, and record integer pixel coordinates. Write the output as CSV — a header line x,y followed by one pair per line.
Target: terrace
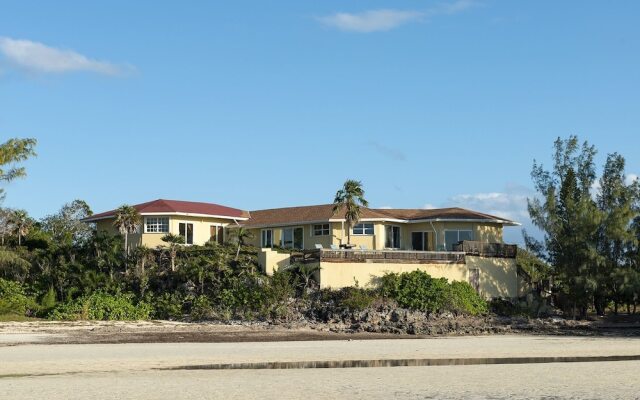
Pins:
x,y
460,250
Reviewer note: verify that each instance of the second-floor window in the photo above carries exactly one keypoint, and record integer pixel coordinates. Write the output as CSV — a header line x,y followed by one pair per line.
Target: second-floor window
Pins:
x,y
156,225
452,237
363,229
321,230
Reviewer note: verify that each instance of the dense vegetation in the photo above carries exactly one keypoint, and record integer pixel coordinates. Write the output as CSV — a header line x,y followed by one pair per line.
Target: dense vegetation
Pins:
x,y
60,268
591,229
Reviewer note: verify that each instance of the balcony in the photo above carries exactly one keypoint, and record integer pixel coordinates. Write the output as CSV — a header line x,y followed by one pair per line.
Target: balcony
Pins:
x,y
379,256
474,248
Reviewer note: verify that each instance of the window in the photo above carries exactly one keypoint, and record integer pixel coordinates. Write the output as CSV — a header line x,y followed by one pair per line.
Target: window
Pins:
x,y
420,241
292,238
363,229
321,230
266,238
453,237
186,231
216,234
392,237
156,225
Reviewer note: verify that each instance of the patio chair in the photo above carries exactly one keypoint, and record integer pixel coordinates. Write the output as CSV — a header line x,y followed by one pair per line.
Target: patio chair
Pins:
x,y
363,247
319,246
333,247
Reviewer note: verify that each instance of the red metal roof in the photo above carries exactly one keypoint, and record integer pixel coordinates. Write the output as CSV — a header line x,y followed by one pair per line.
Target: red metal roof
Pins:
x,y
178,206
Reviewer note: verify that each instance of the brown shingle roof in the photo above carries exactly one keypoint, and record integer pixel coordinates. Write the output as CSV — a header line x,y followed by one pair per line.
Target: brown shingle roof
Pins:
x,y
178,206
324,212
439,213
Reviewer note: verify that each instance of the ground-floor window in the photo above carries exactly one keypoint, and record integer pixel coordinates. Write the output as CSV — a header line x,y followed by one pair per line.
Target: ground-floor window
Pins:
x,y
266,238
452,237
185,230
392,237
292,238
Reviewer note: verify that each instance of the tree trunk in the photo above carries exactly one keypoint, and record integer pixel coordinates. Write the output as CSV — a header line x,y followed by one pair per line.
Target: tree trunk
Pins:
x,y
19,241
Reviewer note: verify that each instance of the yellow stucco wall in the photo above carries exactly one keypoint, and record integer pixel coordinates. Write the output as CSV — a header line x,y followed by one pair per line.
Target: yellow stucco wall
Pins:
x,y
483,232
201,230
336,275
270,260
498,276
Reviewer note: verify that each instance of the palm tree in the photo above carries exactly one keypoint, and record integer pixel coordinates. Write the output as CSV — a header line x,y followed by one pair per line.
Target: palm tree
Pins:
x,y
127,222
174,242
21,224
350,198
240,234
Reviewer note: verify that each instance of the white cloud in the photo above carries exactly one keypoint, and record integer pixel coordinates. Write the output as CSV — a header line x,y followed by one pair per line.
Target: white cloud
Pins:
x,y
511,203
630,178
387,19
429,206
37,57
370,21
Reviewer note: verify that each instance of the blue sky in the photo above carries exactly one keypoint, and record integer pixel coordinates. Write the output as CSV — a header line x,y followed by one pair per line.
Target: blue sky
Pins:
x,y
259,104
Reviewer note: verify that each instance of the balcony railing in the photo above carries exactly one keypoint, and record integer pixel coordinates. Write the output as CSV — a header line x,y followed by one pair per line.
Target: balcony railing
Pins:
x,y
392,256
474,248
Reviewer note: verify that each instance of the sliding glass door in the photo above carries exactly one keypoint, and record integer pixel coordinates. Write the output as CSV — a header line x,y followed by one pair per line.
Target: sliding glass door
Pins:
x,y
420,241
392,237
292,238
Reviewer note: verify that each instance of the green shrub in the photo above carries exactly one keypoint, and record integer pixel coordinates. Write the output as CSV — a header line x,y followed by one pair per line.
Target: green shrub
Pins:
x,y
15,301
355,298
201,308
48,301
168,306
465,300
102,306
417,290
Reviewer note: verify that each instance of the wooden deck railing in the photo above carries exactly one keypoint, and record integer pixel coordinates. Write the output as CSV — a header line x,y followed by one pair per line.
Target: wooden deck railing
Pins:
x,y
475,248
399,256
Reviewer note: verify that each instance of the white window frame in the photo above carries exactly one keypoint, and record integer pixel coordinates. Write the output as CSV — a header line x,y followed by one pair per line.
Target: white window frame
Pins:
x,y
262,233
293,237
446,245
397,245
217,225
322,230
425,239
185,232
364,229
156,224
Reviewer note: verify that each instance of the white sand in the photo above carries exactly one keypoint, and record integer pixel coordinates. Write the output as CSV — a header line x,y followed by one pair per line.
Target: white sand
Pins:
x,y
126,370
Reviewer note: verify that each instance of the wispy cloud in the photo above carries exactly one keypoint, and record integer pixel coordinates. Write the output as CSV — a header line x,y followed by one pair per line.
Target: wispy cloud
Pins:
x,y
511,203
389,152
387,19
40,58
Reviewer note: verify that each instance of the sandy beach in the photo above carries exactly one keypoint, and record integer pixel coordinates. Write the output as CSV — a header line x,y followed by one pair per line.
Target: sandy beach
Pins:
x,y
36,365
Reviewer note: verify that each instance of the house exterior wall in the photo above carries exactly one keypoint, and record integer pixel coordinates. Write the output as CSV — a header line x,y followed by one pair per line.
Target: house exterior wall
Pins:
x,y
201,230
498,276
336,275
483,232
